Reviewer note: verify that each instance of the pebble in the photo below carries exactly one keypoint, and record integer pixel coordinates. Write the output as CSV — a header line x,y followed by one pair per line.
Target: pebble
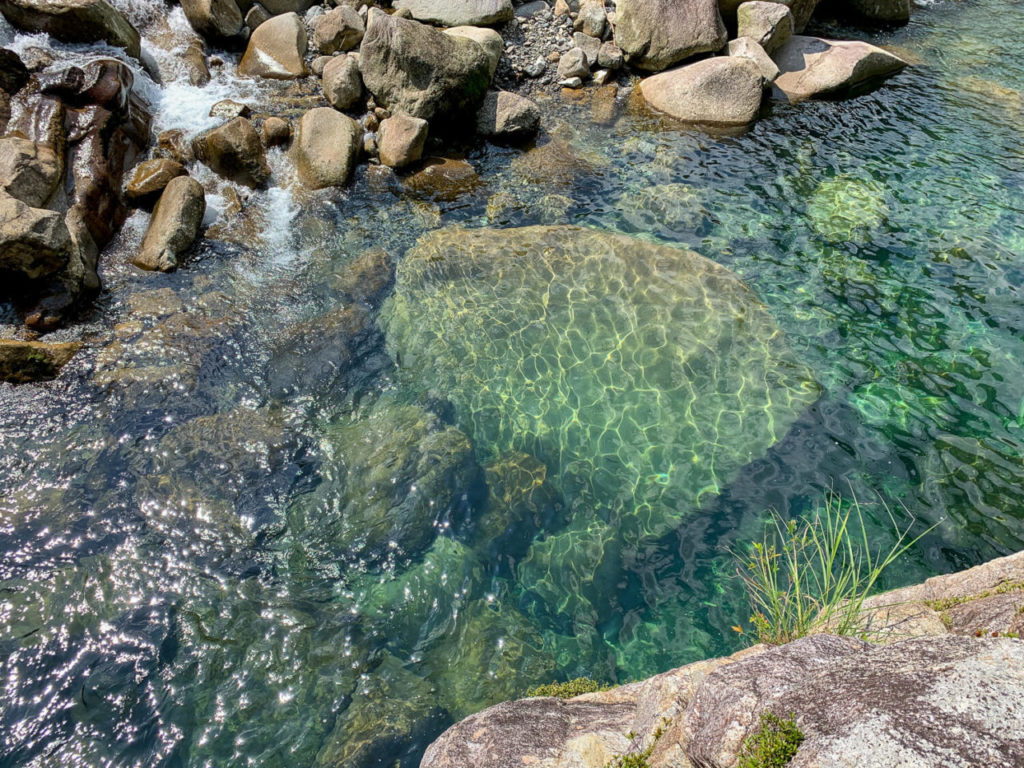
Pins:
x,y
571,82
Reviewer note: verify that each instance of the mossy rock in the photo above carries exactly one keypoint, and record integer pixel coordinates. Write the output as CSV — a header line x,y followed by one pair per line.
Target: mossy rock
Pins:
x,y
26,361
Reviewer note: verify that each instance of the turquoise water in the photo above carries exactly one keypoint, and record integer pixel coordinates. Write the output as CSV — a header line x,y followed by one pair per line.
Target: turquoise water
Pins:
x,y
262,521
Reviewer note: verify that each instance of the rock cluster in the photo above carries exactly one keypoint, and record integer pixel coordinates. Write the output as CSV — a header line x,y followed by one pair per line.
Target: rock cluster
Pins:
x,y
943,688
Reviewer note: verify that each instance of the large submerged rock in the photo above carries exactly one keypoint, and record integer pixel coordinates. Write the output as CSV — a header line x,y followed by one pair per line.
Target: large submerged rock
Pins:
x,y
811,67
643,376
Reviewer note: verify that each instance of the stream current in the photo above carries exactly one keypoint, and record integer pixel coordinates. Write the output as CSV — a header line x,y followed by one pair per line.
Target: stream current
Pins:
x,y
279,514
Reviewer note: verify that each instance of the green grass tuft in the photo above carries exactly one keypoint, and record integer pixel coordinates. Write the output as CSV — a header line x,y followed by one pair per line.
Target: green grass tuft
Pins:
x,y
568,690
773,746
814,574
640,759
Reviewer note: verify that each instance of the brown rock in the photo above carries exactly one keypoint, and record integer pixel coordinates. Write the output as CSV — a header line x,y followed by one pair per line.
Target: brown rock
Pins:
x,y
149,179
174,226
234,151
29,171
216,20
340,29
276,131
74,21
811,67
400,140
276,49
326,147
342,84
172,144
443,179
228,109
33,242
195,64
26,361
722,91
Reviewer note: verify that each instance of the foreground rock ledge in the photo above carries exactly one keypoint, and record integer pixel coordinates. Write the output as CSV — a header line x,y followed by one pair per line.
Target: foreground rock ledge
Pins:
x,y
946,693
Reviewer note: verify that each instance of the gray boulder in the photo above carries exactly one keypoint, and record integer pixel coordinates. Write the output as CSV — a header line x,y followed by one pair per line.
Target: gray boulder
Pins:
x,y
216,20
592,19
174,225
74,21
234,151
326,147
342,83
400,140
768,24
801,10
811,67
458,13
655,34
507,117
276,49
574,63
609,56
340,29
722,91
33,242
489,40
746,48
29,171
412,68
917,703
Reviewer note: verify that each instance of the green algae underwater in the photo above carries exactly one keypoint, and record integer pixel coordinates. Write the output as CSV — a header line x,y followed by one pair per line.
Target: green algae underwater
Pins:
x,y
286,512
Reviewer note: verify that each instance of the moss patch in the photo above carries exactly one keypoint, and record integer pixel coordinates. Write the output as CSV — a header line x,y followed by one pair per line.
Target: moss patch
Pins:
x,y
569,689
773,746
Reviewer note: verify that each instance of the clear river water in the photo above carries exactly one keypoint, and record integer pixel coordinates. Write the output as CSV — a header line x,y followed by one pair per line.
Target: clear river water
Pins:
x,y
281,512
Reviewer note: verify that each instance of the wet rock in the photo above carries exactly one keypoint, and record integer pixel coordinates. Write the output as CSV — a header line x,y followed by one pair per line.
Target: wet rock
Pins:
x,y
218,21
610,55
412,68
276,49
276,131
393,474
604,106
520,503
878,11
903,704
747,48
174,226
442,179
556,163
29,171
507,117
768,24
340,29
149,179
256,16
812,67
592,18
234,151
721,91
591,46
228,109
400,140
573,63
458,13
326,147
33,242
847,208
367,278
26,361
342,83
195,64
489,40
13,72
74,21
173,145
655,34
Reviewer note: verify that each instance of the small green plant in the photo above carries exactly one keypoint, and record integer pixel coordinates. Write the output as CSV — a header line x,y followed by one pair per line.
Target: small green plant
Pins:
x,y
640,759
773,745
813,574
569,689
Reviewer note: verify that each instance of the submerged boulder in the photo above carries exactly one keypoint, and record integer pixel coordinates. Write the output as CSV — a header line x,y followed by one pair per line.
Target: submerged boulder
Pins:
x,y
591,351
25,361
74,21
392,476
412,68
811,67
655,34
458,13
877,11
724,91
